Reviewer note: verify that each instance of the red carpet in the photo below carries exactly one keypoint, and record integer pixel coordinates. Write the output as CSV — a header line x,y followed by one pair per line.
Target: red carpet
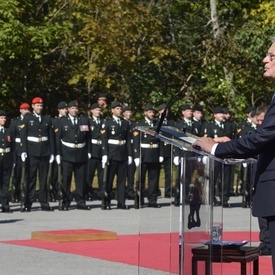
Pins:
x,y
154,251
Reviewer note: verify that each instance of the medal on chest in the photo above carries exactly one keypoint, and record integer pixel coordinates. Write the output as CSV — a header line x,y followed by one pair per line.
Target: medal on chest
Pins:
x,y
113,130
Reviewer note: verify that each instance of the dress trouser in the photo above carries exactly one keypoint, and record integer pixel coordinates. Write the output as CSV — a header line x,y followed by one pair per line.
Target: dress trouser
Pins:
x,y
4,185
118,168
153,170
40,165
80,175
94,164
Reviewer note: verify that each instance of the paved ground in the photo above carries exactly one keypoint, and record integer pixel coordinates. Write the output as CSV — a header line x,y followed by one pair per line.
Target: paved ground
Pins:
x,y
25,260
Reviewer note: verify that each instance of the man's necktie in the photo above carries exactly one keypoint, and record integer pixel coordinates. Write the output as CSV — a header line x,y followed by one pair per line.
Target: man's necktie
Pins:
x,y
119,122
2,130
97,121
75,121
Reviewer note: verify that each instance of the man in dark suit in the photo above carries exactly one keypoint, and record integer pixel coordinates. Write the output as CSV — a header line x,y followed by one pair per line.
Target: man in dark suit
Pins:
x,y
117,154
94,164
259,142
72,149
6,161
37,139
15,128
148,153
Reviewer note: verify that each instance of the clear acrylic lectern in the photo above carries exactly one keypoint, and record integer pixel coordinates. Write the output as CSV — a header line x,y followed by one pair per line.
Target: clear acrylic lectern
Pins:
x,y
170,239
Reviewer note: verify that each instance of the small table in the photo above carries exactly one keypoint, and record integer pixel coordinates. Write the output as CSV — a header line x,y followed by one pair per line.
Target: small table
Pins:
x,y
219,254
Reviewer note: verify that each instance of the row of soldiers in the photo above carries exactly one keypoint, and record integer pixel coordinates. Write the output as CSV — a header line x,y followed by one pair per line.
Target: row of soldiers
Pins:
x,y
84,146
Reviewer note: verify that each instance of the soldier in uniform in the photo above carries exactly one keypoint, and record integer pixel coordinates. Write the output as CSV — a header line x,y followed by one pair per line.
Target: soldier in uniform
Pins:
x,y
247,120
230,130
94,164
167,155
116,151
215,129
148,153
37,139
15,128
131,168
62,112
198,121
6,161
186,125
72,148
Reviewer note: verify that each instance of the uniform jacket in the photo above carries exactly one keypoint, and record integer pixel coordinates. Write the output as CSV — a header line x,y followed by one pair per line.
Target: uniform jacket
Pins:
x,y
73,134
95,134
111,130
31,127
7,141
147,154
213,130
166,146
15,129
262,142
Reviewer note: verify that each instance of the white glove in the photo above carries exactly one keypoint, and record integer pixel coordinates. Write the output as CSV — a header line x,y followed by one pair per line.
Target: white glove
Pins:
x,y
130,160
104,161
51,159
58,159
176,161
161,159
204,160
244,165
136,162
24,156
89,155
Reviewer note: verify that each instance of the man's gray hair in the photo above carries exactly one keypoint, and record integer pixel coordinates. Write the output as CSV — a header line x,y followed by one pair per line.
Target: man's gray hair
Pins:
x,y
273,39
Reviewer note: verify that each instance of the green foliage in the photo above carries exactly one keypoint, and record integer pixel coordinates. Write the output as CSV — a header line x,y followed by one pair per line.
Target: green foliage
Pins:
x,y
137,52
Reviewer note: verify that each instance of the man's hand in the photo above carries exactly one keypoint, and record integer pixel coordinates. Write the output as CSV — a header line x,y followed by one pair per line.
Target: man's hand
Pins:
x,y
204,144
221,139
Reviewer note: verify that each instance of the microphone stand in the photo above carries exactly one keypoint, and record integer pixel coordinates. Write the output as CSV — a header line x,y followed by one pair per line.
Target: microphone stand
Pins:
x,y
183,88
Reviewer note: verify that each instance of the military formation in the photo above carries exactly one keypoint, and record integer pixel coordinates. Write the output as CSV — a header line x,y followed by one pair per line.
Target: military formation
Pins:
x,y
106,158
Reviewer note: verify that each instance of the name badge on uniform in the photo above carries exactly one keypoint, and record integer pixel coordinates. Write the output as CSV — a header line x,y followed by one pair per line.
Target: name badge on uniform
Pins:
x,y
66,128
84,128
31,122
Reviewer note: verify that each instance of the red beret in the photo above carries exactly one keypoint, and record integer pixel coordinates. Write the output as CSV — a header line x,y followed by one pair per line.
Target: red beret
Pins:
x,y
24,106
37,100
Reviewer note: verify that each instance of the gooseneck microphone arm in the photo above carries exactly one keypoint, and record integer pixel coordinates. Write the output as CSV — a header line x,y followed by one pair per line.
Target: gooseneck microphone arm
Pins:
x,y
183,88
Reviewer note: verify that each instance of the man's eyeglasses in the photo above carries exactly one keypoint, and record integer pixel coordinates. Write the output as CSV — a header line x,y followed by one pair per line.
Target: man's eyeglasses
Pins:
x,y
271,56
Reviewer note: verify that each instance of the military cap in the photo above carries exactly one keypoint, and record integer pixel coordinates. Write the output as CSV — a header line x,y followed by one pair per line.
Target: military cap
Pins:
x,y
37,100
148,107
62,105
186,107
24,106
198,108
101,95
115,104
218,110
226,110
94,106
126,108
162,106
249,109
73,103
2,113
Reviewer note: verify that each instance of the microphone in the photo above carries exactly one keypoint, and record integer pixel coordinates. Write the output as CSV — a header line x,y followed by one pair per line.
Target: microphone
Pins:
x,y
182,89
